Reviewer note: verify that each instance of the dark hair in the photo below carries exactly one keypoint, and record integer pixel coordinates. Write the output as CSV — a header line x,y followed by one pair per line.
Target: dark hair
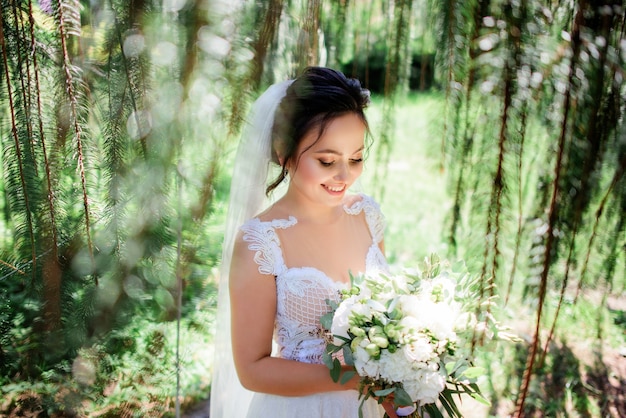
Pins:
x,y
312,101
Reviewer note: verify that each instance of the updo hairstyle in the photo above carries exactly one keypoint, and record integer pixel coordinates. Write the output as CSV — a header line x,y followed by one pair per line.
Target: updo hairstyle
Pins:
x,y
312,101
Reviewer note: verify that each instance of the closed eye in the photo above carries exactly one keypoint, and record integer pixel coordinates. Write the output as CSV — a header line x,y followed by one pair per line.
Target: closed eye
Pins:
x,y
326,163
356,160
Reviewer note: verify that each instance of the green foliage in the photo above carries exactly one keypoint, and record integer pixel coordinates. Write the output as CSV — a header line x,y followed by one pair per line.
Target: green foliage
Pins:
x,y
132,370
95,231
120,118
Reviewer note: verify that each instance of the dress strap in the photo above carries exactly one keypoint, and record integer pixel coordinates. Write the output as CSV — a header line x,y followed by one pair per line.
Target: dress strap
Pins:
x,y
262,239
373,216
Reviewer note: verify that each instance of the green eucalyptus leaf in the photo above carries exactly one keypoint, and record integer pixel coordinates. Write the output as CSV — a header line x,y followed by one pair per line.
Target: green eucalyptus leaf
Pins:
x,y
328,359
384,392
327,320
402,398
347,355
347,376
335,371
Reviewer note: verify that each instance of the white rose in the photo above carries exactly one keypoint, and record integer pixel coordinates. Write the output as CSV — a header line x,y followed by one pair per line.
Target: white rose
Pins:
x,y
341,320
411,305
419,351
362,308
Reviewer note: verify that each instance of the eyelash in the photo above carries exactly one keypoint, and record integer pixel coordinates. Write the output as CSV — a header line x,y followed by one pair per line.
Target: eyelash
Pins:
x,y
353,161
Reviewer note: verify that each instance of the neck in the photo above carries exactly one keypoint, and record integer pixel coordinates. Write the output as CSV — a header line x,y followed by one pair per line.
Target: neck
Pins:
x,y
308,211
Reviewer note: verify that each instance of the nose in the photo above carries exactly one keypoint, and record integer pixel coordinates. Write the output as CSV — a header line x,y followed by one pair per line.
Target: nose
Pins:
x,y
343,172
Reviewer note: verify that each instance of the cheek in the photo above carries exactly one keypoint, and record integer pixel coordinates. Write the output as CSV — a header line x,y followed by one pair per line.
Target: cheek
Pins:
x,y
310,172
358,170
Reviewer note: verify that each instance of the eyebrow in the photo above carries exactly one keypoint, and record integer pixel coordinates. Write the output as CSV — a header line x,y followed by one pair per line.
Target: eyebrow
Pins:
x,y
332,151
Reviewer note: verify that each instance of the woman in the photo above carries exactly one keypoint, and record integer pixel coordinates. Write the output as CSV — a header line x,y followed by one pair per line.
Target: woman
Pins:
x,y
300,251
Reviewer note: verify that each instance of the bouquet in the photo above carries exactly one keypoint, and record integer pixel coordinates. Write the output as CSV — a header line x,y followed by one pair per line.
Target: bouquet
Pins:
x,y
412,336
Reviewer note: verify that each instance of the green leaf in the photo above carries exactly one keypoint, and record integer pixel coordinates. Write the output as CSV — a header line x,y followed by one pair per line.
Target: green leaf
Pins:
x,y
347,376
347,355
332,348
473,372
361,407
327,320
384,392
328,359
335,371
480,398
402,398
432,410
459,266
448,403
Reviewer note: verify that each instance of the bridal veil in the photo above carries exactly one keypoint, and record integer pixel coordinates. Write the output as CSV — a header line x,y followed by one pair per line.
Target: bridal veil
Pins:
x,y
247,198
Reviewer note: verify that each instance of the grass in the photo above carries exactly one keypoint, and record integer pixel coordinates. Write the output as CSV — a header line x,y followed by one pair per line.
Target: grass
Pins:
x,y
413,194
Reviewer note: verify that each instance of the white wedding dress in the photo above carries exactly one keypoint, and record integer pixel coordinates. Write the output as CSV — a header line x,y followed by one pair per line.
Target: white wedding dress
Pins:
x,y
301,301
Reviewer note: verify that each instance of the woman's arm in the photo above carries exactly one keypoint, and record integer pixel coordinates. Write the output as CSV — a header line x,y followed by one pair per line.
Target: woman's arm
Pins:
x,y
253,311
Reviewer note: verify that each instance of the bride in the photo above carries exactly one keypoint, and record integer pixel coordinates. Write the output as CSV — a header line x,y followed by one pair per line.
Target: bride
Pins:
x,y
287,259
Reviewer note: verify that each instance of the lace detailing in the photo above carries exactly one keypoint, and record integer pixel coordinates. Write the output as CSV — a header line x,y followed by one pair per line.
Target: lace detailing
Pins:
x,y
301,292
373,215
263,239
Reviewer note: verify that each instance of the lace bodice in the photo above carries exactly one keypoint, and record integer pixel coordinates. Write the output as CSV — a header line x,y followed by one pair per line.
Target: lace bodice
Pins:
x,y
302,292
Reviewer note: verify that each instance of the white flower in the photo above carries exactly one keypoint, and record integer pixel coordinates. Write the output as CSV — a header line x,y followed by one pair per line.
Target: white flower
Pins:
x,y
362,309
438,318
403,327
341,320
425,385
443,287
420,350
442,318
395,367
365,364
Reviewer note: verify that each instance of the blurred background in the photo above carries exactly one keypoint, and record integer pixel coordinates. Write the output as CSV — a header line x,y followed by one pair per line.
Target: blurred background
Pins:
x,y
498,137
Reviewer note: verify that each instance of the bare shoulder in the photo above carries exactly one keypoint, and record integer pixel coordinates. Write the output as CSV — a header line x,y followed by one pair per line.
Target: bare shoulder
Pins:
x,y
243,267
279,210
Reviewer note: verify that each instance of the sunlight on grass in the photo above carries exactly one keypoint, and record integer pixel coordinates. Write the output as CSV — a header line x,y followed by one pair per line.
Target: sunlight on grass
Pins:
x,y
413,197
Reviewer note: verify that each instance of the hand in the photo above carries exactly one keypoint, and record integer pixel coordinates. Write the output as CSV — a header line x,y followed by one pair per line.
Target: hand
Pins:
x,y
390,409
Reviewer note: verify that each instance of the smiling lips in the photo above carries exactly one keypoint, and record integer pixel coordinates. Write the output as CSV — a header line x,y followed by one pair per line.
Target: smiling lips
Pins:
x,y
336,189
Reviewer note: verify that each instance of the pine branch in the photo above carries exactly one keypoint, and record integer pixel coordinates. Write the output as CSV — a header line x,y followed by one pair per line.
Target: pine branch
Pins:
x,y
552,214
24,79
520,205
68,25
130,73
18,149
617,178
42,138
469,131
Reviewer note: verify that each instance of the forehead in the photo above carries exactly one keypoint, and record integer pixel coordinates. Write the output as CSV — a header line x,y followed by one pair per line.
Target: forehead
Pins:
x,y
346,132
